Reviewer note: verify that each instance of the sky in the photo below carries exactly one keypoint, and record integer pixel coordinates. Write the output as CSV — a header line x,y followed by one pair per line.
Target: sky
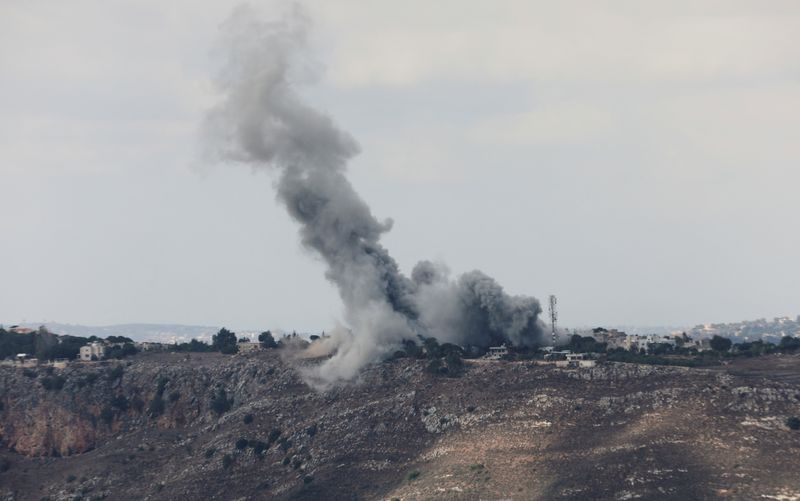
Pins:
x,y
637,159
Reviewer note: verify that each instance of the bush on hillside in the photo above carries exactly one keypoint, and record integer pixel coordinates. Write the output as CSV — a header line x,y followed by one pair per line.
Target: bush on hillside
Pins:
x,y
220,403
53,382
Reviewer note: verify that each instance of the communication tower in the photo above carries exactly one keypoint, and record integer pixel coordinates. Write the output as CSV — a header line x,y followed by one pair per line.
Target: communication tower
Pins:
x,y
553,317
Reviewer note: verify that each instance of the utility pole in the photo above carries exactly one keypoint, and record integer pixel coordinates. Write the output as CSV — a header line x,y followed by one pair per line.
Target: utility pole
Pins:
x,y
553,317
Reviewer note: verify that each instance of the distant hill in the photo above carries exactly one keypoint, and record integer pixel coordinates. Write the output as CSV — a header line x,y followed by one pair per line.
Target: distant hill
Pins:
x,y
162,333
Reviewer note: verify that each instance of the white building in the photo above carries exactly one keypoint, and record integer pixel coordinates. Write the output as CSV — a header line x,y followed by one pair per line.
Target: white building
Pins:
x,y
497,352
93,349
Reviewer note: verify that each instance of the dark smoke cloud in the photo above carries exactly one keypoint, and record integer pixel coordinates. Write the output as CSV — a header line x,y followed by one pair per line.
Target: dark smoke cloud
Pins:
x,y
261,121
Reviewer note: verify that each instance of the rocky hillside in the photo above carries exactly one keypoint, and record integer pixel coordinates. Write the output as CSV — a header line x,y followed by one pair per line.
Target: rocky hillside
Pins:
x,y
165,426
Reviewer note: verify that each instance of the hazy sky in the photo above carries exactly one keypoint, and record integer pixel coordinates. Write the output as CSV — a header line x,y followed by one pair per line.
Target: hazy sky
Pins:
x,y
639,161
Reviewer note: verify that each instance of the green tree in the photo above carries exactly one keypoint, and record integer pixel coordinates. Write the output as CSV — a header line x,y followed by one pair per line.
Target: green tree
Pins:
x,y
224,341
411,349
789,343
266,340
45,342
193,346
455,364
432,348
720,344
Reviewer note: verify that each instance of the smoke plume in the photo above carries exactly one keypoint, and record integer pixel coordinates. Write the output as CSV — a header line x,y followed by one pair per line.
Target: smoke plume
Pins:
x,y
261,121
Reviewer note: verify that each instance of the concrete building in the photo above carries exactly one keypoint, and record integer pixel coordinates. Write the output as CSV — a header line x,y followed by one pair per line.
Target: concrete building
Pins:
x,y
613,338
575,360
249,347
25,360
60,363
497,352
148,346
557,355
93,350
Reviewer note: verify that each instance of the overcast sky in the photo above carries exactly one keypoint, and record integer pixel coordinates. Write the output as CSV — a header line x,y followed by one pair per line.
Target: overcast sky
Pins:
x,y
639,161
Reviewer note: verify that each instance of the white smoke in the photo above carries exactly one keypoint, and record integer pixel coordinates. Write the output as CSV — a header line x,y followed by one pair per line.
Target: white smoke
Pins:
x,y
262,121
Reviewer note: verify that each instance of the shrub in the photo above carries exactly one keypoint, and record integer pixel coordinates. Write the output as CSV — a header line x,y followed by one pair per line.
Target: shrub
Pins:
x,y
161,385
193,346
156,406
210,452
312,430
229,349
284,444
174,396
91,378
413,475
793,423
220,403
248,418
455,365
120,352
137,403
308,479
259,447
29,373
120,402
227,460
5,465
116,372
273,435
53,382
434,367
71,478
107,415
241,444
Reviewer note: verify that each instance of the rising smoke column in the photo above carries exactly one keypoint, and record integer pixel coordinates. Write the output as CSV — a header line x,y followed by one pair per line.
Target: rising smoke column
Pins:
x,y
261,121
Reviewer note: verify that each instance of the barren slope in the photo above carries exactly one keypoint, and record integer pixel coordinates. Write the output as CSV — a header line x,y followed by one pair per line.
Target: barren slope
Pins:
x,y
502,431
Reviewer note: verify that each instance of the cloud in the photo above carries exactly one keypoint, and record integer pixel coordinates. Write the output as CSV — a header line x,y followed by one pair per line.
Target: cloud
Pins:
x,y
561,123
413,42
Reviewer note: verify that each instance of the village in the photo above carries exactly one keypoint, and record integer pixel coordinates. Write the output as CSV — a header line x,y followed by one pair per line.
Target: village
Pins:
x,y
575,352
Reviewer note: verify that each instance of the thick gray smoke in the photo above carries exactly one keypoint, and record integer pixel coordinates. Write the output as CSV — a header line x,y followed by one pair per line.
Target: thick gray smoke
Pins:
x,y
261,121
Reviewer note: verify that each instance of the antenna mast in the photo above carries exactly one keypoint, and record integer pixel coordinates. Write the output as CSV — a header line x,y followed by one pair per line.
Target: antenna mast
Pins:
x,y
553,317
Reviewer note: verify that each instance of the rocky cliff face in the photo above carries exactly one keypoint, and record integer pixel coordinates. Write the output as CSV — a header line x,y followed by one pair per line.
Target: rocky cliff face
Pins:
x,y
227,427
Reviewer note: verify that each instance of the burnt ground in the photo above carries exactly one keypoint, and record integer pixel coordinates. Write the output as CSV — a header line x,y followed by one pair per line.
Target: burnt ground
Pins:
x,y
504,430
